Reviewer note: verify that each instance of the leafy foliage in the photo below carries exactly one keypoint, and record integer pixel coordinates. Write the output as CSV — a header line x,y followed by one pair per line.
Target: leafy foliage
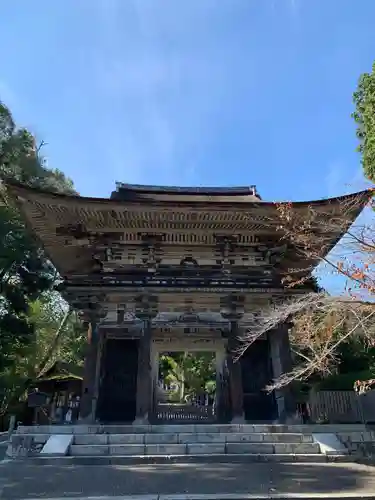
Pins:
x,y
364,115
30,360
21,161
191,372
26,274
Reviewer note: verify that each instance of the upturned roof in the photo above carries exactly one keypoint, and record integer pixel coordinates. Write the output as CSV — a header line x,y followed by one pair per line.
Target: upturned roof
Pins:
x,y
64,223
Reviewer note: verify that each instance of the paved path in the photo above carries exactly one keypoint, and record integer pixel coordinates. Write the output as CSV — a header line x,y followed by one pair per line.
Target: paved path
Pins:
x,y
3,448
23,480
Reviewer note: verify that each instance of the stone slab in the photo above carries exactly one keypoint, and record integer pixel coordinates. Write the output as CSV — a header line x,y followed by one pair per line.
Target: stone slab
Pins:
x,y
90,439
89,450
187,459
126,438
285,438
329,444
57,445
82,428
161,438
298,448
165,449
127,449
246,438
206,449
257,448
174,429
201,438
267,428
216,428
141,428
86,428
44,429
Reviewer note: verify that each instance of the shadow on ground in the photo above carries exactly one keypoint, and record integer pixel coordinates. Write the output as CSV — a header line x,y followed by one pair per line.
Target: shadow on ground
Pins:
x,y
24,480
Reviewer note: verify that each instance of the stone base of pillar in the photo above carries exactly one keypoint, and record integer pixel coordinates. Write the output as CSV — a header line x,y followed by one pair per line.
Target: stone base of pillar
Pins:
x,y
87,420
287,412
88,404
238,420
291,419
141,420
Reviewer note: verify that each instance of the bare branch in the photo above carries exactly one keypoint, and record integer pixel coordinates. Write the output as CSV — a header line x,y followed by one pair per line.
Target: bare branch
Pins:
x,y
321,323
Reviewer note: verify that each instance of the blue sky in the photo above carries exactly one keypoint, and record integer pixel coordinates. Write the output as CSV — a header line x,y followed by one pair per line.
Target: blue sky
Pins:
x,y
191,92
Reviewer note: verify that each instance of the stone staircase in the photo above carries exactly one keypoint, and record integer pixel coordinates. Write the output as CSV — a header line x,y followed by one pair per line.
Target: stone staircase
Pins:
x,y
120,444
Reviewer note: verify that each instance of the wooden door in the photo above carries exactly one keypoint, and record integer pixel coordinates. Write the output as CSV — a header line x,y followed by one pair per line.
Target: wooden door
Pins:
x,y
256,367
118,385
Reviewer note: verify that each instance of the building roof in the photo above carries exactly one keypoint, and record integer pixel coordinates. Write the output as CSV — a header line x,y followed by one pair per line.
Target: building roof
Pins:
x,y
70,227
139,192
127,194
61,371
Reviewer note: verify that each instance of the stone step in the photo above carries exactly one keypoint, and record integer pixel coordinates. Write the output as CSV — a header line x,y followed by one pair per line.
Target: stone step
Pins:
x,y
187,438
188,428
185,459
194,449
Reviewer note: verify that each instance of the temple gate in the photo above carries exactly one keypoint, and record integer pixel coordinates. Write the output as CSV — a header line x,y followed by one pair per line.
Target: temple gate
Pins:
x,y
161,269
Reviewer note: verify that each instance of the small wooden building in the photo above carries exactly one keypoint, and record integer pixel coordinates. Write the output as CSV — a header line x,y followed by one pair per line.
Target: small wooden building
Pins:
x,y
62,382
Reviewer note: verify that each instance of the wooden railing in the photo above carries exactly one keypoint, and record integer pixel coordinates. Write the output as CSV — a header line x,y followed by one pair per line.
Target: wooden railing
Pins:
x,y
183,413
341,407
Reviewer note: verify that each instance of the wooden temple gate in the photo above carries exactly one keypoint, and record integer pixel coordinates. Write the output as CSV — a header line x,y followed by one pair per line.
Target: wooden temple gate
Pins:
x,y
119,369
149,251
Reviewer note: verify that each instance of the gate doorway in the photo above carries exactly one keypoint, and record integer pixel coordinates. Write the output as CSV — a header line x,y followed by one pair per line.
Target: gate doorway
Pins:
x,y
185,386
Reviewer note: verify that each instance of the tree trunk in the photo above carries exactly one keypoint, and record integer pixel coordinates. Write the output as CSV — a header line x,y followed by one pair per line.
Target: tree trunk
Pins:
x,y
43,364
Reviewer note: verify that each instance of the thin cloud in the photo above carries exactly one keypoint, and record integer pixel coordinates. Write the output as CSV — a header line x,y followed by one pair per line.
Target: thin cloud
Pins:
x,y
334,180
7,95
341,180
166,82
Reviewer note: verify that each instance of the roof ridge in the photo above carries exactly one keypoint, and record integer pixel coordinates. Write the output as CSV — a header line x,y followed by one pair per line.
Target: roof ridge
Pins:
x,y
211,190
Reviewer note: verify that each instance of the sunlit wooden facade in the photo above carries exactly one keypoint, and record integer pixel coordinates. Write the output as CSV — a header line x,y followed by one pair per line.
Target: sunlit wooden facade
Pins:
x,y
166,268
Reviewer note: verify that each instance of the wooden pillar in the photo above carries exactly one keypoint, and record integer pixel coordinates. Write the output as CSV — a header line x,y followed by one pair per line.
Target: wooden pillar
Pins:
x,y
88,404
235,375
144,377
221,389
146,310
232,310
282,363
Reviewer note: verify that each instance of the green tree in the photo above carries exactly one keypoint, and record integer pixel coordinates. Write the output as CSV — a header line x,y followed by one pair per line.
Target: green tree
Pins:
x,y
57,336
25,273
21,160
191,372
364,115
